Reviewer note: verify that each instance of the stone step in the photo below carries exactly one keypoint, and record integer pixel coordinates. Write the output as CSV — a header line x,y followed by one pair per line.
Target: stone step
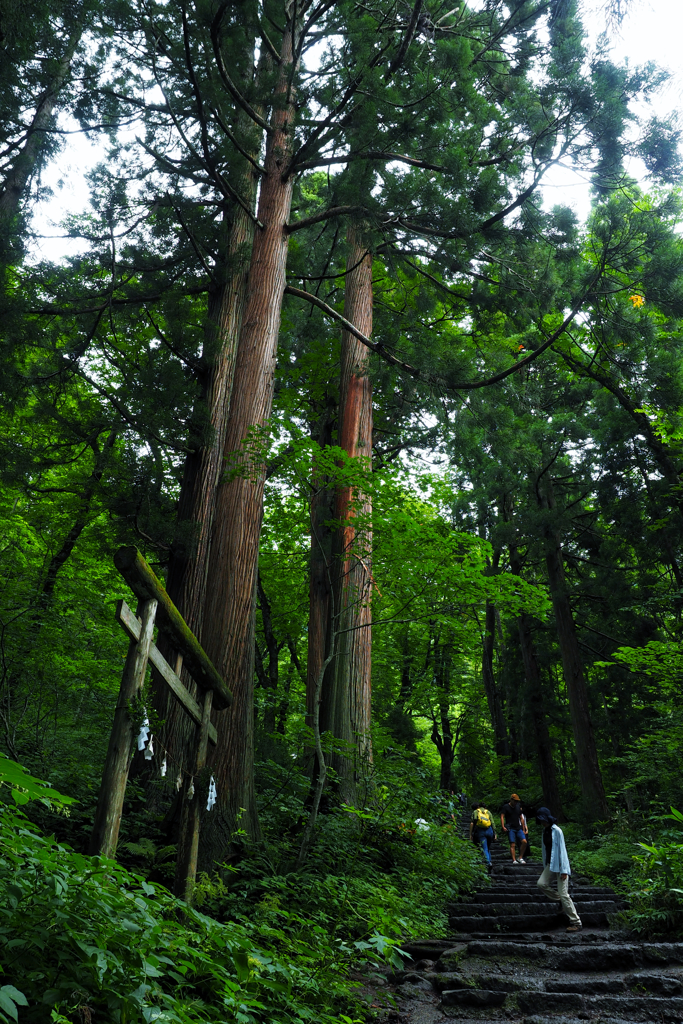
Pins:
x,y
650,982
579,957
524,922
631,1008
524,870
547,906
531,885
473,997
637,984
529,896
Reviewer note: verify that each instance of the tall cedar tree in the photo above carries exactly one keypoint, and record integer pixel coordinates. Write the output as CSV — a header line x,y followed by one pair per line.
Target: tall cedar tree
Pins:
x,y
400,82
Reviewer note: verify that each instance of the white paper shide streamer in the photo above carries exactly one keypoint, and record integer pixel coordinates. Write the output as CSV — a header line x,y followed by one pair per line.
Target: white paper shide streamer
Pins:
x,y
213,795
162,770
143,735
149,753
190,792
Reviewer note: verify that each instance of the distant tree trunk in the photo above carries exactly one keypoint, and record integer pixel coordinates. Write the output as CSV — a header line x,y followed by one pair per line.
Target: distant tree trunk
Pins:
x,y
442,732
586,751
283,706
320,567
61,556
231,580
272,678
492,693
23,165
345,707
546,764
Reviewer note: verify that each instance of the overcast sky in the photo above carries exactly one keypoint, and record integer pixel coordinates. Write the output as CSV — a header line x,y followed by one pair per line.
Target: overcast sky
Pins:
x,y
652,31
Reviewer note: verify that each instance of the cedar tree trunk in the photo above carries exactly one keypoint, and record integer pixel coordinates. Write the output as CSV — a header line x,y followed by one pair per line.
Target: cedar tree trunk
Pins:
x,y
546,765
586,751
228,630
190,556
345,706
320,567
492,693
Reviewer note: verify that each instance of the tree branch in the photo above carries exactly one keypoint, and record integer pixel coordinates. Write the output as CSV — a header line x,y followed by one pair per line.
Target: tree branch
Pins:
x,y
378,155
227,81
430,379
333,211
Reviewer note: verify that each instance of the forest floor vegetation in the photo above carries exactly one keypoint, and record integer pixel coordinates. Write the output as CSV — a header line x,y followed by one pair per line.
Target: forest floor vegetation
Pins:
x,y
89,937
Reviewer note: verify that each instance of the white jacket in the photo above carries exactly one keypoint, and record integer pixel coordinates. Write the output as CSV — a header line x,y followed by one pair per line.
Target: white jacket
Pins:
x,y
559,859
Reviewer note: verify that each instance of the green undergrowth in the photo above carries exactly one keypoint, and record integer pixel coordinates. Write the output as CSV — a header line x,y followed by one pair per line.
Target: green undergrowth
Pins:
x,y
88,938
642,859
84,937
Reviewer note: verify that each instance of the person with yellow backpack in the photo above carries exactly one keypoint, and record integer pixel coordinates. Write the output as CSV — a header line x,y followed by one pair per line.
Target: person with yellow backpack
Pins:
x,y
481,830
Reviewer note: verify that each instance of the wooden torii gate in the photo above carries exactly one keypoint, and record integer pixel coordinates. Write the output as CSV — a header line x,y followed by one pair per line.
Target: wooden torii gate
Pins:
x,y
156,608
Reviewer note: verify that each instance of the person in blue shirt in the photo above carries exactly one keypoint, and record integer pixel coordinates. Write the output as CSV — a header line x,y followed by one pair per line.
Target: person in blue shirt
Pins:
x,y
554,880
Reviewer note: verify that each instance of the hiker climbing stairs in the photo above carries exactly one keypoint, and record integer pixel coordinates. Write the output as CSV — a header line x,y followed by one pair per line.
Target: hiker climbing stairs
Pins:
x,y
513,903
508,956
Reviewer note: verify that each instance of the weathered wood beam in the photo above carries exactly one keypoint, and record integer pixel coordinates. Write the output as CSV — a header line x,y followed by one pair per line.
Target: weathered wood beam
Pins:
x,y
105,833
146,585
132,626
188,840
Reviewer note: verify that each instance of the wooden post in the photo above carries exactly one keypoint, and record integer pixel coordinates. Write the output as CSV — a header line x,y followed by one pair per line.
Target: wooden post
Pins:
x,y
188,841
105,832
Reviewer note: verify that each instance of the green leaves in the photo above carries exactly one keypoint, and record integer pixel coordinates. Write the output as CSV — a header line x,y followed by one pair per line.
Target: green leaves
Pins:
x,y
10,999
25,787
79,932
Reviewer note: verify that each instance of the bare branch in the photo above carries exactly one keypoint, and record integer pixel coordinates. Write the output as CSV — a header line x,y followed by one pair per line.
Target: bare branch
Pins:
x,y
333,211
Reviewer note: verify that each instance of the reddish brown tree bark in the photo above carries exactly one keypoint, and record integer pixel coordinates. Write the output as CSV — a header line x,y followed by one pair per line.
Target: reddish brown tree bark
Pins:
x,y
188,566
228,620
345,706
590,775
186,582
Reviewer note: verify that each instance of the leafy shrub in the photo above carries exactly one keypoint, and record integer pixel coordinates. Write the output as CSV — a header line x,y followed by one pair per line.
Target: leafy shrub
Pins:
x,y
656,892
82,935
606,856
360,905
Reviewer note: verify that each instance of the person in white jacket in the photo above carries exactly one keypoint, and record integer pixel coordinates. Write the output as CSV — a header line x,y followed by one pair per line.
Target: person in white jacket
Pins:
x,y
554,880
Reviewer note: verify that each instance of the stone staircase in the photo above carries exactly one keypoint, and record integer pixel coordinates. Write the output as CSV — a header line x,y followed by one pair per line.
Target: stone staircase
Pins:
x,y
509,957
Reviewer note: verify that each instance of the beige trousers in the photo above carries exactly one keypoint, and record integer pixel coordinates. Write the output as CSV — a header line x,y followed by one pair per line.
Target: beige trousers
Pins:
x,y
556,888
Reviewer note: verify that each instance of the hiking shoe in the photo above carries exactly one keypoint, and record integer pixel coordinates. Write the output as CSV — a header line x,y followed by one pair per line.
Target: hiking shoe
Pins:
x,y
574,927
521,861
515,862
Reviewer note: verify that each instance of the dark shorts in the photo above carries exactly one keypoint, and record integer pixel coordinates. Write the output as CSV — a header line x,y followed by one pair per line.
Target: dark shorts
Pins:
x,y
516,835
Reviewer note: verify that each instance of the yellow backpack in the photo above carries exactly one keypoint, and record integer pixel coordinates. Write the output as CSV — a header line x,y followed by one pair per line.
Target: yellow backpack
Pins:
x,y
482,818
